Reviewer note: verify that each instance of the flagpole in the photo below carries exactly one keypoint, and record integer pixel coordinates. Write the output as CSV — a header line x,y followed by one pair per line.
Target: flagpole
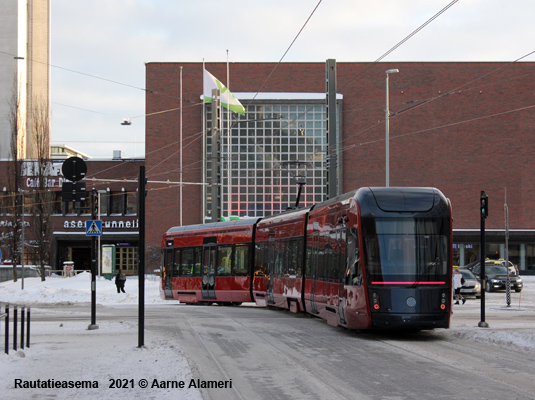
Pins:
x,y
228,147
203,149
181,148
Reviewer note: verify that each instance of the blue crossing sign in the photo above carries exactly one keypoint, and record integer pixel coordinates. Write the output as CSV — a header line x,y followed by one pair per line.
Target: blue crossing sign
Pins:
x,y
93,227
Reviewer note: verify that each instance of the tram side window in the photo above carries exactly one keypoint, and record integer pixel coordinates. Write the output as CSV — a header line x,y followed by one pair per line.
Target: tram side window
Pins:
x,y
224,261
261,261
241,261
288,259
319,260
198,257
278,259
336,249
342,241
292,254
188,262
299,261
315,257
176,263
353,271
272,257
326,262
308,261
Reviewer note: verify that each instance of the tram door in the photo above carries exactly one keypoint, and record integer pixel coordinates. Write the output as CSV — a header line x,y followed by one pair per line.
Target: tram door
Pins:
x,y
272,255
342,252
208,272
314,271
168,273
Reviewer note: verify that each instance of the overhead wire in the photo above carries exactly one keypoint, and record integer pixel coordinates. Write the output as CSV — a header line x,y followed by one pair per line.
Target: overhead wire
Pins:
x,y
286,52
405,39
279,62
447,93
442,126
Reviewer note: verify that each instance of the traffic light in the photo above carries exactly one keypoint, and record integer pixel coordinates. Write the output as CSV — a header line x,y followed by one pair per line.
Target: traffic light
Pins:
x,y
484,205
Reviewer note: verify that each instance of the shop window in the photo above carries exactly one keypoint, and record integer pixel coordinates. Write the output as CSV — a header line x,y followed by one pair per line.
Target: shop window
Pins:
x,y
57,203
530,257
131,203
7,203
105,204
117,203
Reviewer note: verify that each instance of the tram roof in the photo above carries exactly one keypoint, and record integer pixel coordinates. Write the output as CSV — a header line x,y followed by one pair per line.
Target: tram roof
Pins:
x,y
214,225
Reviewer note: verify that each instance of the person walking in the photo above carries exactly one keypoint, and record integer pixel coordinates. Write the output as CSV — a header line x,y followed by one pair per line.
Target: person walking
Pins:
x,y
457,285
120,279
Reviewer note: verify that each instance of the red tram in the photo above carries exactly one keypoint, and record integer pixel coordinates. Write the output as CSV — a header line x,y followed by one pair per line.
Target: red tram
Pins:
x,y
371,258
208,263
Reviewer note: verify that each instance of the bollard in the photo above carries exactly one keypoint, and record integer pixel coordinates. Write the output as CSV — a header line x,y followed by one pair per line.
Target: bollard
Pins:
x,y
28,328
24,317
22,328
6,344
15,313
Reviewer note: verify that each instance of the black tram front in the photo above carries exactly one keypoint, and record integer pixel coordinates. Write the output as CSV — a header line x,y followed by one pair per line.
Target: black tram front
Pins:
x,y
406,242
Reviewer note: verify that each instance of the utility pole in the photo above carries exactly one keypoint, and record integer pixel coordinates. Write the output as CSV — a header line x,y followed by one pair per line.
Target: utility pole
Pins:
x,y
141,193
94,206
484,212
508,282
332,132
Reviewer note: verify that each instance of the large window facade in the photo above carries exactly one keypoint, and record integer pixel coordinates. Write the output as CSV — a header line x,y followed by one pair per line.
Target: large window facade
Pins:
x,y
268,150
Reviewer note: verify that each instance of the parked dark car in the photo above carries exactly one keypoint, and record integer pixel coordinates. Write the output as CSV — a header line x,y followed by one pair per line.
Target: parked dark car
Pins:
x,y
496,276
471,286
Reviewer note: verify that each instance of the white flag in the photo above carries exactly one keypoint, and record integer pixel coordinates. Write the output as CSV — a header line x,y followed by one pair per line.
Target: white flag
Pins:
x,y
227,98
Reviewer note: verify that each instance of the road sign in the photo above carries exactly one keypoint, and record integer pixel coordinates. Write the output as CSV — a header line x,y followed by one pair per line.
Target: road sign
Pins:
x,y
74,169
93,228
73,191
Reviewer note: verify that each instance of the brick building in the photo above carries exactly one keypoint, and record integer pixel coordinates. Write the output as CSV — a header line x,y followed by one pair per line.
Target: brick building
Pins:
x,y
114,179
461,127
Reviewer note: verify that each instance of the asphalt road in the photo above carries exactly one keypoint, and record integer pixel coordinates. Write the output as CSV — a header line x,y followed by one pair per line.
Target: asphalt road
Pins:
x,y
272,354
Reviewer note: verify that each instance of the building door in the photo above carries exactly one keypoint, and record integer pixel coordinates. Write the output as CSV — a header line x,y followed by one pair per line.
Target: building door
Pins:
x,y
81,256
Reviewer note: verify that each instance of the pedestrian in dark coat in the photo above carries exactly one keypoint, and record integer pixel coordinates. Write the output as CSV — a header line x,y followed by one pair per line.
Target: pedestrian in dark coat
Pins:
x,y
120,279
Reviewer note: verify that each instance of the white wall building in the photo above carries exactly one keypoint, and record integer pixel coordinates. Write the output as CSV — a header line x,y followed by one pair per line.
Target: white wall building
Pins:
x,y
24,68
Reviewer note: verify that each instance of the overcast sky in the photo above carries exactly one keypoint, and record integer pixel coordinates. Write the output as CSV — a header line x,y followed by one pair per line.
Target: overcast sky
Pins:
x,y
100,47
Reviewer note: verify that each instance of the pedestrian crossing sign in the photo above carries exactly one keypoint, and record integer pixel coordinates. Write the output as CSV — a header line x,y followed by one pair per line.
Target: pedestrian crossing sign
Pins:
x,y
93,228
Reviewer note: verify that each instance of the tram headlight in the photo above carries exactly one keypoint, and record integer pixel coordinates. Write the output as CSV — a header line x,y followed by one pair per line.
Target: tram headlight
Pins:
x,y
443,300
376,301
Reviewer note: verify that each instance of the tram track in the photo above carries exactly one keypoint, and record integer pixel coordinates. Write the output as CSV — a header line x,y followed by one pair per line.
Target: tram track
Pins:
x,y
316,375
214,361
274,354
256,363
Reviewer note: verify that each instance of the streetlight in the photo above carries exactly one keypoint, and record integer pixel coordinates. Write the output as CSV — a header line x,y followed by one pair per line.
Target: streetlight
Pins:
x,y
388,72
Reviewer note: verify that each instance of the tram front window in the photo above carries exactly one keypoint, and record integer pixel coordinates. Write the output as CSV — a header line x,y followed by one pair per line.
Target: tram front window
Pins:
x,y
405,250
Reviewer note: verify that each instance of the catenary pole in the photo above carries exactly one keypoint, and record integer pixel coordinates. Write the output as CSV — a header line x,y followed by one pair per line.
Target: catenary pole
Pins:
x,y
141,255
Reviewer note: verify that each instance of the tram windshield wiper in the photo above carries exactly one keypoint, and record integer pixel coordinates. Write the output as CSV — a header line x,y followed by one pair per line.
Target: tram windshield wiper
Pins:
x,y
428,268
